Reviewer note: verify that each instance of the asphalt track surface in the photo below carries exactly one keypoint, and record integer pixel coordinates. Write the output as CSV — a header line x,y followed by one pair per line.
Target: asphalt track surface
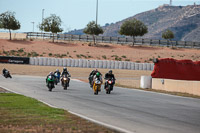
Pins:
x,y
127,110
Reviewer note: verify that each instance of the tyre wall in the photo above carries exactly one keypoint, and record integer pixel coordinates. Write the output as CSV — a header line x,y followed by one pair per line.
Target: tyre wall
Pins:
x,y
83,63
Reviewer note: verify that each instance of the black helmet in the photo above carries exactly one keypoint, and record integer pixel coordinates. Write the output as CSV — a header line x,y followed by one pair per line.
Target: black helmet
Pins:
x,y
110,71
64,69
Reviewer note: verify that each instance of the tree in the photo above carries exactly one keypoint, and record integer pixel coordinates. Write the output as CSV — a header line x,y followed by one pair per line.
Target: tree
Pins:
x,y
133,28
168,35
51,24
8,21
93,29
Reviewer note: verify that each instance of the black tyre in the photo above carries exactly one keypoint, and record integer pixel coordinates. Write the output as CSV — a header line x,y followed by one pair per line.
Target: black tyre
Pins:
x,y
109,87
97,91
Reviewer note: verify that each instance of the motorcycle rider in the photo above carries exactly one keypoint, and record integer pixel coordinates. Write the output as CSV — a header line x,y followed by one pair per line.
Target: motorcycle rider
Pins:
x,y
57,72
4,71
108,76
65,72
91,76
50,74
99,76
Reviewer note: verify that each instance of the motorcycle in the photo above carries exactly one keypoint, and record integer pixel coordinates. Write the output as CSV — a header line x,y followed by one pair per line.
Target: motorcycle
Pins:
x,y
57,80
50,82
65,82
97,86
109,85
7,74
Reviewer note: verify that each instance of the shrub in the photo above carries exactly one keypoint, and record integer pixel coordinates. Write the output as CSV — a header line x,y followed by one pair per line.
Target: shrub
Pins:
x,y
123,56
20,50
104,57
78,56
50,54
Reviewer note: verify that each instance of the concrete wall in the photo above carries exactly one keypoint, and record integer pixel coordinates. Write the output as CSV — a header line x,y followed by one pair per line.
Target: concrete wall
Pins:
x,y
185,86
106,64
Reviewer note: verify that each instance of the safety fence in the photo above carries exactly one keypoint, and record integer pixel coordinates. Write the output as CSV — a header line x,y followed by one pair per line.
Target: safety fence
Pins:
x,y
118,40
83,63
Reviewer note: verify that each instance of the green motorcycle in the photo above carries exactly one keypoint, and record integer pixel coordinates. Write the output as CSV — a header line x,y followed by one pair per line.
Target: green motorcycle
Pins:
x,y
50,82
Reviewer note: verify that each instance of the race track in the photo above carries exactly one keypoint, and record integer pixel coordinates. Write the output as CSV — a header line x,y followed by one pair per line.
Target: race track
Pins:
x,y
126,109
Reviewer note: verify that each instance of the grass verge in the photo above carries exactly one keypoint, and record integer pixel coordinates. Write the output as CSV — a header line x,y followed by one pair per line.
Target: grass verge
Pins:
x,y
22,114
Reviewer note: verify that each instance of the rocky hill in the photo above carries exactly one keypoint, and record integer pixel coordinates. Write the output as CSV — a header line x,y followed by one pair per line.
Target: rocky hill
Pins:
x,y
184,21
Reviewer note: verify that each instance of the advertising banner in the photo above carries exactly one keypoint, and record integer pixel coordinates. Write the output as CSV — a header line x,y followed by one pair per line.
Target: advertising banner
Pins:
x,y
14,60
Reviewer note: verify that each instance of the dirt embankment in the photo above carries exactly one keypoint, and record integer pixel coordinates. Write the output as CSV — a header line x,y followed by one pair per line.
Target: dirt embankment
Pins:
x,y
84,50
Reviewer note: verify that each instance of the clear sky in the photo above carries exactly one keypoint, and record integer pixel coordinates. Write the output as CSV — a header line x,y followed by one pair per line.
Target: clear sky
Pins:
x,y
75,14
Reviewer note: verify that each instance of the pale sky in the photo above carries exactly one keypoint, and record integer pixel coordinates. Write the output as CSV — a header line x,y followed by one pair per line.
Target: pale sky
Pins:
x,y
75,14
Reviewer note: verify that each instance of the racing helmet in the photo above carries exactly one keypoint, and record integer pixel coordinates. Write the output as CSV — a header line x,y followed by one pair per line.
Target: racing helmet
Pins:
x,y
97,74
64,69
110,71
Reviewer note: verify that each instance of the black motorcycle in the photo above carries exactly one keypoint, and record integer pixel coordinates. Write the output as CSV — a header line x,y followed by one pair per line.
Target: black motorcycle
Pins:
x,y
6,74
109,85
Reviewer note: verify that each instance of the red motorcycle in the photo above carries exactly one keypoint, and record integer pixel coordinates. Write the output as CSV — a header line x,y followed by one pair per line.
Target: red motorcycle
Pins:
x,y
109,85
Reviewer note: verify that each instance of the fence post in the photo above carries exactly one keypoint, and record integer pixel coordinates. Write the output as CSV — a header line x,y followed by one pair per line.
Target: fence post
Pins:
x,y
102,39
150,42
159,42
64,36
71,37
79,37
193,44
117,40
87,38
110,39
142,41
185,44
167,43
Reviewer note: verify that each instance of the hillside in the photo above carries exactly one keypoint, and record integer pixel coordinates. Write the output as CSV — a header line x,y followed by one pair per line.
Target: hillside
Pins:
x,y
184,21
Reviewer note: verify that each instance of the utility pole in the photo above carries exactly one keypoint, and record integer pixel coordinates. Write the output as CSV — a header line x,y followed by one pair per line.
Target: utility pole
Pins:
x,y
96,12
33,25
170,3
42,18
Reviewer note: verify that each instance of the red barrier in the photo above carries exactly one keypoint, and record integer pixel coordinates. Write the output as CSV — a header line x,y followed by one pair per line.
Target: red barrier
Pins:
x,y
176,69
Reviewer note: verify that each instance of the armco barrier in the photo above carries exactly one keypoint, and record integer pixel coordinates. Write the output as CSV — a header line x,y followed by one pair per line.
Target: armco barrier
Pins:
x,y
106,64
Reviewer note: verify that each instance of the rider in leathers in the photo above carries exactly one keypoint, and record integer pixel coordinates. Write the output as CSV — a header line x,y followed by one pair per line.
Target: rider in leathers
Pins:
x,y
50,74
65,72
91,76
108,76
